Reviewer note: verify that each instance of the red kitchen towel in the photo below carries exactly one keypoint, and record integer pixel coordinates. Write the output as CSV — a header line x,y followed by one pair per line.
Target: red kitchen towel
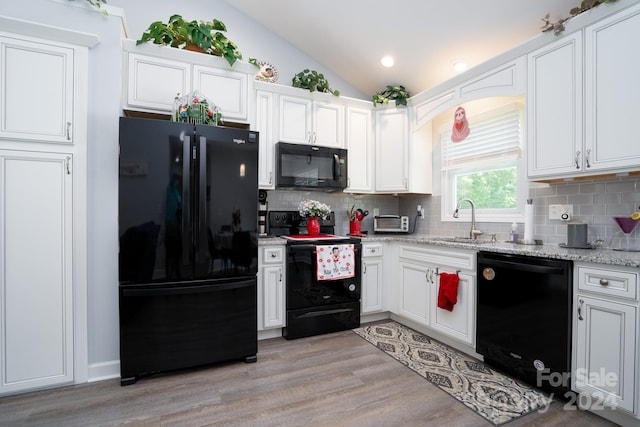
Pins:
x,y
335,261
448,291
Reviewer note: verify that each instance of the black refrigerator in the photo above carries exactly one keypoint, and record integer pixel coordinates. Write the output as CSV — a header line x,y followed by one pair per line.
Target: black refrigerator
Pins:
x,y
188,261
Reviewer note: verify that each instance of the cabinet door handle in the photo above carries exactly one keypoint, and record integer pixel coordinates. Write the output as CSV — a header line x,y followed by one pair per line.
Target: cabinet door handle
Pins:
x,y
280,271
68,131
581,302
270,177
578,159
604,282
586,158
68,164
274,255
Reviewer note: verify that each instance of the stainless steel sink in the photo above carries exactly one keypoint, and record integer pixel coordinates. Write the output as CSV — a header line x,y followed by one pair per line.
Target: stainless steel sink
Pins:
x,y
460,240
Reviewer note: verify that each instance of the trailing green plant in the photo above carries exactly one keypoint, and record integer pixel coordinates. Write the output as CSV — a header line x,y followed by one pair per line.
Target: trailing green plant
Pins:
x,y
312,81
558,27
206,35
395,93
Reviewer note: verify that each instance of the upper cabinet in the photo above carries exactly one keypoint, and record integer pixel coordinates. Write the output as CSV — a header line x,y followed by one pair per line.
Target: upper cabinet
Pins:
x,y
359,141
560,143
153,83
554,105
392,150
36,77
612,96
306,121
155,75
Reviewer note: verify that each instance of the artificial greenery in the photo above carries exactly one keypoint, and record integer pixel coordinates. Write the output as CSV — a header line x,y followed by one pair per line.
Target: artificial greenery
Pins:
x,y
98,4
312,81
395,93
558,27
206,35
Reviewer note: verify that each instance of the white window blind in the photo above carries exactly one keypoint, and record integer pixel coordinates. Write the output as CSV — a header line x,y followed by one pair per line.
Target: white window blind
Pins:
x,y
496,137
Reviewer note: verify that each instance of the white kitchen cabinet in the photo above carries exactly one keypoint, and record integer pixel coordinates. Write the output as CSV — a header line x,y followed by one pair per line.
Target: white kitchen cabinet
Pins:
x,y
419,282
392,150
372,292
265,104
37,90
155,75
460,322
361,149
153,83
554,108
306,121
561,144
36,260
271,291
228,89
612,92
605,335
414,293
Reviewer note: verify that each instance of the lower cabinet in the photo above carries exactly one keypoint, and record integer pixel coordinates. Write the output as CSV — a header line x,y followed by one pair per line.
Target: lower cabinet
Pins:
x,y
460,322
372,292
36,290
420,268
605,336
271,291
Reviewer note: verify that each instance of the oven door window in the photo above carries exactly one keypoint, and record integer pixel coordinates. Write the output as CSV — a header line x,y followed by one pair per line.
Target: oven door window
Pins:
x,y
303,288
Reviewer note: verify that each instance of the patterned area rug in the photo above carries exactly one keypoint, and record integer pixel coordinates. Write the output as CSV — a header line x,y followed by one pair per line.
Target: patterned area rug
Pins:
x,y
494,396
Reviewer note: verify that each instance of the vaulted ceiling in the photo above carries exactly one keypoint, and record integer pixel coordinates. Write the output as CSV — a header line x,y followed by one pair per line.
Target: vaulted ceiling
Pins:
x,y
425,37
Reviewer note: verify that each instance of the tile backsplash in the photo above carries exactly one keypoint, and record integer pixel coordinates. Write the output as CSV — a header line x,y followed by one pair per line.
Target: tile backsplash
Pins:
x,y
594,202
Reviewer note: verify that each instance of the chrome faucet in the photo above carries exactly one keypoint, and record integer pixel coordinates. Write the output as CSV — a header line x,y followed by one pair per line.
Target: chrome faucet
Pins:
x,y
474,233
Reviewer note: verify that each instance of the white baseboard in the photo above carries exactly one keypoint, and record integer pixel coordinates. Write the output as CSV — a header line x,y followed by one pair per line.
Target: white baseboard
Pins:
x,y
104,371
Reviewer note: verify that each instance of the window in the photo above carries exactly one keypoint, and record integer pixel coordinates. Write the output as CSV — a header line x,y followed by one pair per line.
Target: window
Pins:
x,y
486,167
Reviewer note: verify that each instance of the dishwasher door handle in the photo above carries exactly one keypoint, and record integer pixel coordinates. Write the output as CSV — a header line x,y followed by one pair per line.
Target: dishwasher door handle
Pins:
x,y
531,268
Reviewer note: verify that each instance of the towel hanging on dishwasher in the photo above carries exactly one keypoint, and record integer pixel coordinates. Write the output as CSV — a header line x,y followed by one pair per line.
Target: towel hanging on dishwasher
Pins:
x,y
335,262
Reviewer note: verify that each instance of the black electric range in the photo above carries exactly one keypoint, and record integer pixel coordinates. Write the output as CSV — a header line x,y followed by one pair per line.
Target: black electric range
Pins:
x,y
315,303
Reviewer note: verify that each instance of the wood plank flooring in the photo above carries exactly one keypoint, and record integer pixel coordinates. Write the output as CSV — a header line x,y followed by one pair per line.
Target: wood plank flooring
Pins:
x,y
329,380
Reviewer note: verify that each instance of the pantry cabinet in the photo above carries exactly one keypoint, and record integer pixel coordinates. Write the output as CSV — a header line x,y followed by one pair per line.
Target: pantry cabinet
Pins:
x,y
271,282
605,335
587,74
37,90
372,292
306,121
36,285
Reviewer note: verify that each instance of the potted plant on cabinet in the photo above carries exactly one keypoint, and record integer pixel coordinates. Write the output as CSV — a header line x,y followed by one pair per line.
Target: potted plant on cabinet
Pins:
x,y
312,81
392,93
203,36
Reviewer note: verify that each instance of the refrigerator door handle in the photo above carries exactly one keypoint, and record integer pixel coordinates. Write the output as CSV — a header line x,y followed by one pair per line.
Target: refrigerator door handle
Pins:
x,y
186,211
202,199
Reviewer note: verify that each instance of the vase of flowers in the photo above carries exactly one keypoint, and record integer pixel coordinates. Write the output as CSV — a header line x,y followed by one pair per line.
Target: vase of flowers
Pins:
x,y
312,210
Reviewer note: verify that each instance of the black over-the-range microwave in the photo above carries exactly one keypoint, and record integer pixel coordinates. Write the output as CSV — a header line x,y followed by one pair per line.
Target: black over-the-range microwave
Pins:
x,y
311,167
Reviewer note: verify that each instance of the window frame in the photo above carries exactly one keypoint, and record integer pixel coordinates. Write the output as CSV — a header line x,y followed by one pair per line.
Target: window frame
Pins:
x,y
448,204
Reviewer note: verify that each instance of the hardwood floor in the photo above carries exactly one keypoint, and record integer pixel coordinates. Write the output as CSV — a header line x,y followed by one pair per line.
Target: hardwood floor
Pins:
x,y
335,379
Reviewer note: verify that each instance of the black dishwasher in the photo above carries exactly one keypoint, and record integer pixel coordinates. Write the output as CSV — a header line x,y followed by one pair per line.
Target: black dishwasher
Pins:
x,y
524,317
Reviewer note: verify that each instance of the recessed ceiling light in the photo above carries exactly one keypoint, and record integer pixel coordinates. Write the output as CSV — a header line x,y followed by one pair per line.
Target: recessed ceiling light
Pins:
x,y
387,61
459,65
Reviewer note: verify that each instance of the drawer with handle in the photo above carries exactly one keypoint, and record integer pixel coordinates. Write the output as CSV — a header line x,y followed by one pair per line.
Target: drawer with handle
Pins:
x,y
620,283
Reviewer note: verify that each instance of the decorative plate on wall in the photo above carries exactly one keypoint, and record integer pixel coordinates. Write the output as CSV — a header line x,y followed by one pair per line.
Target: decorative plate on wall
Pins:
x,y
267,73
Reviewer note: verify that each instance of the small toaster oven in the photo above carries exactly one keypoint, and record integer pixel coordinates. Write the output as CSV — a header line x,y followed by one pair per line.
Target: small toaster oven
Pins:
x,y
391,224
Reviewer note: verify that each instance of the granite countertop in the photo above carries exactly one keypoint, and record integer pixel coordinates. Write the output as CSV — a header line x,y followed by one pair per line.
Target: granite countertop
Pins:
x,y
598,255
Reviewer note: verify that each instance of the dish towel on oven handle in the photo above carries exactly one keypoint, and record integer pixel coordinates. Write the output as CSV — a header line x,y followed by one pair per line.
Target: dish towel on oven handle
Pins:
x,y
448,291
335,262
